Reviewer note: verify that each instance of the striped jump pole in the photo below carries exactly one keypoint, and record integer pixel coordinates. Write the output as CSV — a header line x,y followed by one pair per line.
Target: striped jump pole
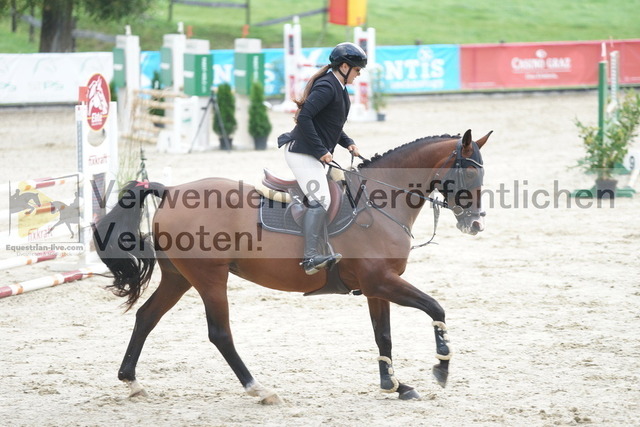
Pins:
x,y
19,261
34,184
49,281
39,183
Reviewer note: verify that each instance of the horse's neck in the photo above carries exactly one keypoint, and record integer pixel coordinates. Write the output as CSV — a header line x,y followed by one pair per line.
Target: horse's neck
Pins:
x,y
391,188
394,181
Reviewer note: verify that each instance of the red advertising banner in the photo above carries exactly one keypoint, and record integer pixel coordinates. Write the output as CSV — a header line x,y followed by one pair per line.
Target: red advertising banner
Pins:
x,y
553,64
629,61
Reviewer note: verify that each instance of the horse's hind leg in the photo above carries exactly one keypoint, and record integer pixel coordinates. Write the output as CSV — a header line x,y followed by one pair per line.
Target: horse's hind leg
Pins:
x,y
211,283
171,288
380,319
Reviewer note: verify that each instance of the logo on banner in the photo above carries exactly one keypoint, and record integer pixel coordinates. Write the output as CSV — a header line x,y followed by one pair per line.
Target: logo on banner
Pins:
x,y
34,215
98,98
541,65
420,68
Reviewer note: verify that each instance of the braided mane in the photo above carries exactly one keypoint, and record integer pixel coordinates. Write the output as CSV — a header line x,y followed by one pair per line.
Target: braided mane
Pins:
x,y
426,140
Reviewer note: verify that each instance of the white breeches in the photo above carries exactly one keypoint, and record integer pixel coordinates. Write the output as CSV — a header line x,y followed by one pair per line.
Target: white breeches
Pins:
x,y
311,176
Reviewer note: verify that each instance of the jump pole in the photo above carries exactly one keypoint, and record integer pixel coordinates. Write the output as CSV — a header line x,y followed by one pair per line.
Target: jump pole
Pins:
x,y
33,184
49,281
21,260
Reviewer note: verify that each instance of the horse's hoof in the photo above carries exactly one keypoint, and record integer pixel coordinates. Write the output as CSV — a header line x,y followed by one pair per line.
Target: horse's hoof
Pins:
x,y
409,395
267,397
135,389
440,375
138,393
273,399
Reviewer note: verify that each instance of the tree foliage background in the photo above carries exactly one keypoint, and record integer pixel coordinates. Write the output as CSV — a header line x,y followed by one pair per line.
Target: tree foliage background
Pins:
x,y
59,17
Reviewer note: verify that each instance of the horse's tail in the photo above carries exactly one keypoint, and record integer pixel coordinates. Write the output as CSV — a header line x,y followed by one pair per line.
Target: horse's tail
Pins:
x,y
121,246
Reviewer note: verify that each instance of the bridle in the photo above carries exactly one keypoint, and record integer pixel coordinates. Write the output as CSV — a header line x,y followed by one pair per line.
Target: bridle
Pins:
x,y
455,175
461,183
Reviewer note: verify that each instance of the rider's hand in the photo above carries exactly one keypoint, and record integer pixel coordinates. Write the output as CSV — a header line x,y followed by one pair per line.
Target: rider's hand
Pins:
x,y
353,149
327,158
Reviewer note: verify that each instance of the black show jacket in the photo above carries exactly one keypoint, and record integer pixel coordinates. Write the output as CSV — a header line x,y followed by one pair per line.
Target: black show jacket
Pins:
x,y
321,119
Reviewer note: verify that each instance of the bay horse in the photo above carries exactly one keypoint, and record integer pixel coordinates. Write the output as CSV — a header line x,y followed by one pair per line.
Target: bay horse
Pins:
x,y
206,229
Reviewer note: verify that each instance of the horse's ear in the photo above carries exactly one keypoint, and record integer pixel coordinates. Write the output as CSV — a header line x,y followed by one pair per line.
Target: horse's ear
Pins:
x,y
484,139
466,139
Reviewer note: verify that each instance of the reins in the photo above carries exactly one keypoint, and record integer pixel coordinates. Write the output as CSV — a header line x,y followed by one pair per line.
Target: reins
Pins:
x,y
437,204
433,201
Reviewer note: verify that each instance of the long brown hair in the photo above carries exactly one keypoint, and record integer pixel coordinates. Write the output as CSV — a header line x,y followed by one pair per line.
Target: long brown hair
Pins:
x,y
300,102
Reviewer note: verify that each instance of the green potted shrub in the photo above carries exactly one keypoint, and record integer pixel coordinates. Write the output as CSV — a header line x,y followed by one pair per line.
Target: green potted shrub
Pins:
x,y
224,116
259,124
605,150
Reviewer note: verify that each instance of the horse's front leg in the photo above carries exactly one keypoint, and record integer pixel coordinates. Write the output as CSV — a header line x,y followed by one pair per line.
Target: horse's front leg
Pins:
x,y
397,290
443,352
380,319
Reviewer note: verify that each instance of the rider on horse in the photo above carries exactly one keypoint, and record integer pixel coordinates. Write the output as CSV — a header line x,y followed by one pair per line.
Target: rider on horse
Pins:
x,y
322,112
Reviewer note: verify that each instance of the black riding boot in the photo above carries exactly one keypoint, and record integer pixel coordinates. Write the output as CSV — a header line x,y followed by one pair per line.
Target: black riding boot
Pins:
x,y
313,227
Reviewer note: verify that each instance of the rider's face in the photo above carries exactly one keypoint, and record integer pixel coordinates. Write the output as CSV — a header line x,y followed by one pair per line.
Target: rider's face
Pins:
x,y
355,72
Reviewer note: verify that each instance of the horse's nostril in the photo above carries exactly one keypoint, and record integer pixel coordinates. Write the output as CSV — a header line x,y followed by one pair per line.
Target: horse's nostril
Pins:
x,y
477,225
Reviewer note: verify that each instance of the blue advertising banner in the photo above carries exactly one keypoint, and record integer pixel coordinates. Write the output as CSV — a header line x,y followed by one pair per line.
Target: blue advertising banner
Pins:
x,y
418,69
405,69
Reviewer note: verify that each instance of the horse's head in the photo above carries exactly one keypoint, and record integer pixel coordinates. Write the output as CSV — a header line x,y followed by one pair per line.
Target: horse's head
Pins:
x,y
461,184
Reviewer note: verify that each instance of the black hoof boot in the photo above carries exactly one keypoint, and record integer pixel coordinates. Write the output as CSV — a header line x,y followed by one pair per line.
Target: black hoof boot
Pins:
x,y
443,352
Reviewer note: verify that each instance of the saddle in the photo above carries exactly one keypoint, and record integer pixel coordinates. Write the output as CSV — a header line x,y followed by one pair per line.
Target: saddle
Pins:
x,y
282,209
290,192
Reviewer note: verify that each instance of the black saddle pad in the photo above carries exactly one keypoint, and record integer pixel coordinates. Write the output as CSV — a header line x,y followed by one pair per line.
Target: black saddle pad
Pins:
x,y
276,216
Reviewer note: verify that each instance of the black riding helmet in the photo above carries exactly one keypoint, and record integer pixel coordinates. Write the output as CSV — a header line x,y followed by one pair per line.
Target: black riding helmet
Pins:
x,y
348,53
